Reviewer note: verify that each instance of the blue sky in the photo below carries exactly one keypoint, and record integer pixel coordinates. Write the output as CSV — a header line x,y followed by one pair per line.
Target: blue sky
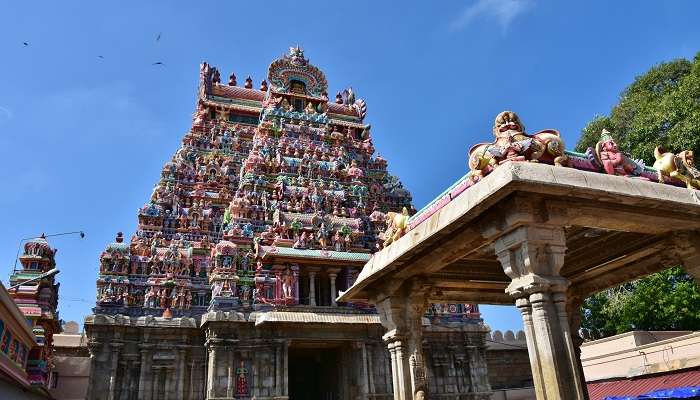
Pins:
x,y
83,138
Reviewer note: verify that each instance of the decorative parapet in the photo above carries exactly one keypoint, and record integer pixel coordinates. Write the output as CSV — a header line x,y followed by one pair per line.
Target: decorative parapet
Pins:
x,y
512,144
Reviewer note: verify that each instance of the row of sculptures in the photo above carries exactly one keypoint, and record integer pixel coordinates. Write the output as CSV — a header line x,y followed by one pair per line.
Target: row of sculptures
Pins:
x,y
513,144
285,183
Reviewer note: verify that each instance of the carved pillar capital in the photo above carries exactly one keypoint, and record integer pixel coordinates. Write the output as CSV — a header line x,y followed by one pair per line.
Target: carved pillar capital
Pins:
x,y
532,256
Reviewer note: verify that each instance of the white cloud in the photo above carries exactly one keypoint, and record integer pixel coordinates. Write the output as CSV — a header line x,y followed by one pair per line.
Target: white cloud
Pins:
x,y
502,11
5,114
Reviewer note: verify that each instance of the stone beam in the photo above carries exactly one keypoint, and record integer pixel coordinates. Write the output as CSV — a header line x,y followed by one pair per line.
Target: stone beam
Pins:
x,y
624,217
625,270
453,247
496,297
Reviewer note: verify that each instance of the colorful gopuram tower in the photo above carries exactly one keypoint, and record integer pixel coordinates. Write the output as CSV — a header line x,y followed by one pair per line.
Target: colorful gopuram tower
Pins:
x,y
38,301
271,206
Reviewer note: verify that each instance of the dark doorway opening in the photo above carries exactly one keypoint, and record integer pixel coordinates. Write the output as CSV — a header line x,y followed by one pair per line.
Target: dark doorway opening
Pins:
x,y
314,374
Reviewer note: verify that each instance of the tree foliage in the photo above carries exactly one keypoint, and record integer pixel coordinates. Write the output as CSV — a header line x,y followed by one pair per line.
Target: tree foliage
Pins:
x,y
661,107
668,300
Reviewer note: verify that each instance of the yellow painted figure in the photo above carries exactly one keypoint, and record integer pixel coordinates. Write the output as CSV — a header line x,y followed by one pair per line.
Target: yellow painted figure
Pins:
x,y
396,226
679,166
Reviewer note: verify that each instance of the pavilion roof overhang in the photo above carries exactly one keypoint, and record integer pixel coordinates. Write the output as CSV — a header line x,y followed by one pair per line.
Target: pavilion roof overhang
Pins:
x,y
612,223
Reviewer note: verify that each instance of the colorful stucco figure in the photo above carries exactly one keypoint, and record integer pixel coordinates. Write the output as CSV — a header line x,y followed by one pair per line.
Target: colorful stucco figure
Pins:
x,y
513,144
679,166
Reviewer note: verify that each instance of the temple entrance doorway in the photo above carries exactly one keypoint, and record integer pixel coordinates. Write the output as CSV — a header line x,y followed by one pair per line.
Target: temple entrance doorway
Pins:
x,y
314,373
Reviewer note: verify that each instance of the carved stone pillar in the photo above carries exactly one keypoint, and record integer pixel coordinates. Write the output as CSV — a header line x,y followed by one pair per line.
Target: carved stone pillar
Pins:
x,y
181,365
231,373
94,349
145,372
573,312
401,314
211,369
364,370
312,288
532,256
332,274
114,369
169,372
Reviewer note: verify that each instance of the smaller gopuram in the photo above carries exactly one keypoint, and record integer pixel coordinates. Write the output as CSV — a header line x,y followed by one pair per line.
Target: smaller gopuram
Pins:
x,y
37,298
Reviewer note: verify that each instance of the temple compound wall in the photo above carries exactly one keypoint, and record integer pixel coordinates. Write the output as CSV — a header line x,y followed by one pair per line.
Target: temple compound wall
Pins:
x,y
228,286
227,358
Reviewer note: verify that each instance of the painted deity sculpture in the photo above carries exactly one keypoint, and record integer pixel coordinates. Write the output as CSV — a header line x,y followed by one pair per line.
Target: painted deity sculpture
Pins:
x,y
679,166
241,380
612,161
513,144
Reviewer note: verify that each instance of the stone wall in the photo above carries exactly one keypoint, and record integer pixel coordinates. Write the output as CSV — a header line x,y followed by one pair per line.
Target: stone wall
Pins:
x,y
229,357
508,361
147,358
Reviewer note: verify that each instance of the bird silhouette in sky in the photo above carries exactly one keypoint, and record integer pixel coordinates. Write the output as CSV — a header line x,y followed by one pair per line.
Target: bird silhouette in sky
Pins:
x,y
158,37
158,63
25,43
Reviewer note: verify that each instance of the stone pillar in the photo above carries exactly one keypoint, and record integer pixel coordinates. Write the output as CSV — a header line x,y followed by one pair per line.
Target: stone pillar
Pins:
x,y
94,348
181,365
145,373
532,256
365,371
211,369
401,314
332,274
285,368
370,368
231,373
133,388
312,288
168,387
113,371
279,383
573,312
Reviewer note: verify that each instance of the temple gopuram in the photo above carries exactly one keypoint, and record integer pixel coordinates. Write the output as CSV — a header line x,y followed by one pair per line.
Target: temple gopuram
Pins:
x,y
36,296
268,210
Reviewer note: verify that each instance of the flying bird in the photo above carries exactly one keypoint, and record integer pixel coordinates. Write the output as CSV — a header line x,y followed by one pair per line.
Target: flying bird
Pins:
x,y
158,37
25,43
158,63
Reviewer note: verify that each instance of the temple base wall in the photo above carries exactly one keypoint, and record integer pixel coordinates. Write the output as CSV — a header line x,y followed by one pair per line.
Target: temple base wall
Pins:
x,y
153,358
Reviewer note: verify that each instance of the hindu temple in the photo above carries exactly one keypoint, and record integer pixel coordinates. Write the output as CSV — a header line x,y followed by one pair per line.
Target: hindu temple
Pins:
x,y
268,210
36,295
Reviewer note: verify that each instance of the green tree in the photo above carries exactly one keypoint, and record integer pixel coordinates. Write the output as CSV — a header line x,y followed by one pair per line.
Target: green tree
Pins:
x,y
661,107
668,300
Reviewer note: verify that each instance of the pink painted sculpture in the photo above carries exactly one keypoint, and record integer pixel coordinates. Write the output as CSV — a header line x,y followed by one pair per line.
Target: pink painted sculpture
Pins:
x,y
612,160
